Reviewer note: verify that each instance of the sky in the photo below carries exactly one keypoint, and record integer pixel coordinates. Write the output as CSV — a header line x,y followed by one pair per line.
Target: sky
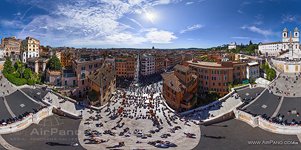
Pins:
x,y
147,23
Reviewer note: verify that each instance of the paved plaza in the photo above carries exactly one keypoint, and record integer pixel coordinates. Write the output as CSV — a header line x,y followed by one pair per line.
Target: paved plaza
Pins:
x,y
63,104
237,135
135,119
287,85
6,87
53,132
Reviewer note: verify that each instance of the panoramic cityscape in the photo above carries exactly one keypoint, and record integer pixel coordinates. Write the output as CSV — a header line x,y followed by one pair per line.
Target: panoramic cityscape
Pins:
x,y
150,74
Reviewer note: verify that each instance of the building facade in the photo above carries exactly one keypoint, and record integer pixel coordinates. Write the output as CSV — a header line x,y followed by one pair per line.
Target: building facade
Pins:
x,y
180,88
37,65
11,46
83,68
103,82
1,52
253,71
159,64
126,66
218,76
276,48
232,46
66,58
30,48
147,65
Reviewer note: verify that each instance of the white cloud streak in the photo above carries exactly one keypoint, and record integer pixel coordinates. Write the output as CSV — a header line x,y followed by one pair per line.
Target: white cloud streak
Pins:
x,y
191,28
258,30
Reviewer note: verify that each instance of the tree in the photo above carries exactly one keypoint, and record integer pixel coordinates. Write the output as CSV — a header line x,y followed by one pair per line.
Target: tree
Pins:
x,y
20,67
54,64
27,73
250,43
8,67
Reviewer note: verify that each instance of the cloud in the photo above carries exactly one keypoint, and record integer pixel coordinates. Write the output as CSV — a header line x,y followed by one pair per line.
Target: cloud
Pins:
x,y
160,36
189,3
151,35
191,28
288,18
136,22
192,2
242,6
15,24
258,30
240,11
92,21
134,2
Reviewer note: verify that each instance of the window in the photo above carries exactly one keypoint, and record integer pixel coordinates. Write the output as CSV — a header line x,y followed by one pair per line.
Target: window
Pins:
x,y
83,76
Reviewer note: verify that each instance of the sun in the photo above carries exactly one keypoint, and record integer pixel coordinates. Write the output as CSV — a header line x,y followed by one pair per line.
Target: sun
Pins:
x,y
151,16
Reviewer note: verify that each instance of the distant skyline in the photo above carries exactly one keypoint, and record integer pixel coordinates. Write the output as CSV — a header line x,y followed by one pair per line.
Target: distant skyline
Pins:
x,y
147,23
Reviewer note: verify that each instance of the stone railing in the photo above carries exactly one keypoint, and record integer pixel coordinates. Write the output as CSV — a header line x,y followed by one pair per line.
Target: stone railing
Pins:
x,y
27,121
258,121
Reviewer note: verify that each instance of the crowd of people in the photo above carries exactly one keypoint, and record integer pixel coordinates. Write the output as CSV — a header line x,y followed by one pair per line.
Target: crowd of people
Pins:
x,y
135,103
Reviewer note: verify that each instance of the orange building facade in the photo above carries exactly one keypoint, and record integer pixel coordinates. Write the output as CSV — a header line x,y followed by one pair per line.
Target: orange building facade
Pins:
x,y
179,88
217,76
126,66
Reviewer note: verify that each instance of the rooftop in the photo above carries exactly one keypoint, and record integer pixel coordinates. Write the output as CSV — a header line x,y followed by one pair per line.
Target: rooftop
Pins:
x,y
172,81
102,74
205,63
181,68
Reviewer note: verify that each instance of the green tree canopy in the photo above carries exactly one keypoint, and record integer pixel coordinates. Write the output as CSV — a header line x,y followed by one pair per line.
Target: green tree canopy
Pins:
x,y
19,67
27,73
54,63
8,67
